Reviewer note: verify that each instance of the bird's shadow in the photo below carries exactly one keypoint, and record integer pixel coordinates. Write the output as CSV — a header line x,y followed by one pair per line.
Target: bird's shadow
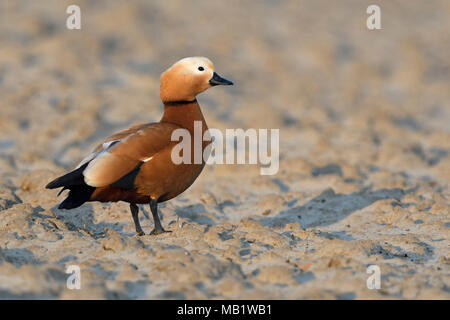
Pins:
x,y
82,218
18,257
329,207
195,213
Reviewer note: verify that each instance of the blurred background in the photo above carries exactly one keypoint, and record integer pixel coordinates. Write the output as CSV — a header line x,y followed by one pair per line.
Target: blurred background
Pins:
x,y
296,64
364,119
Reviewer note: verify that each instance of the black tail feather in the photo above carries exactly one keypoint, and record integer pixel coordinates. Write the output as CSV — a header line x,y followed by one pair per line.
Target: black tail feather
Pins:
x,y
79,192
61,191
73,178
77,196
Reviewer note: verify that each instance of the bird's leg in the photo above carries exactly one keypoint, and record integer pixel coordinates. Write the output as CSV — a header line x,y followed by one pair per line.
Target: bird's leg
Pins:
x,y
158,227
135,214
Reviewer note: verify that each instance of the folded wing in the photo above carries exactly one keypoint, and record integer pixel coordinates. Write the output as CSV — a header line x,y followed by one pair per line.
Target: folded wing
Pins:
x,y
123,154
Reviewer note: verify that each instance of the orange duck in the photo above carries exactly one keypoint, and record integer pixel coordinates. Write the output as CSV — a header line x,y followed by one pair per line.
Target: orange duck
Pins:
x,y
135,165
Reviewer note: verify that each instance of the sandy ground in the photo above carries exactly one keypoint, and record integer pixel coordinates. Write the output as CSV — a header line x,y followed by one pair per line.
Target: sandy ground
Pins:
x,y
364,149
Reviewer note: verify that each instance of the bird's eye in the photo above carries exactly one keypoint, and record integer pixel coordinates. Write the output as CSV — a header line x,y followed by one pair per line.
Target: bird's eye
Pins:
x,y
201,69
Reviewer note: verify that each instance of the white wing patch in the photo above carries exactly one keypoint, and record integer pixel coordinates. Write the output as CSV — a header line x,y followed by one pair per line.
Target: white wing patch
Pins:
x,y
90,177
106,146
87,159
95,174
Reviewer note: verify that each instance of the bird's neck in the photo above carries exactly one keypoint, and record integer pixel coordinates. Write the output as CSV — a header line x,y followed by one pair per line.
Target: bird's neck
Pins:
x,y
184,114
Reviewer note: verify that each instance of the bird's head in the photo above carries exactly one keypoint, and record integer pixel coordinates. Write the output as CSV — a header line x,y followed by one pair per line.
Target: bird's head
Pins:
x,y
188,77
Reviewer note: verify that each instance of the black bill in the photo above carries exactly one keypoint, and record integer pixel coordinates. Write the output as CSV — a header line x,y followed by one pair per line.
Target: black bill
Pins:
x,y
218,80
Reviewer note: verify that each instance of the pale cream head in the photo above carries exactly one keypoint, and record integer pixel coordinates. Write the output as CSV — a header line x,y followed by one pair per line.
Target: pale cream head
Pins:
x,y
187,78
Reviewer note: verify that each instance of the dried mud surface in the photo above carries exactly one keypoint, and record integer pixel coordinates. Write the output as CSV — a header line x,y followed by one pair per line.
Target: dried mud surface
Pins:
x,y
364,149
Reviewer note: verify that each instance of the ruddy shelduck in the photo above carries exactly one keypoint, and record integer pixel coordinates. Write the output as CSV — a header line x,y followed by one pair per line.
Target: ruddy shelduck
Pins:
x,y
135,165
